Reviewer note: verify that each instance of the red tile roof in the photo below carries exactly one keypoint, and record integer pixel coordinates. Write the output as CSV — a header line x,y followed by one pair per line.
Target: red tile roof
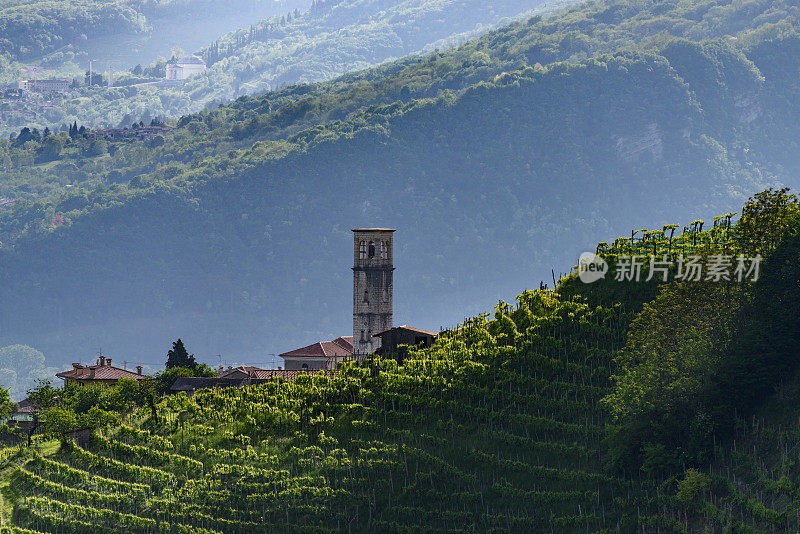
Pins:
x,y
101,372
409,328
339,347
346,342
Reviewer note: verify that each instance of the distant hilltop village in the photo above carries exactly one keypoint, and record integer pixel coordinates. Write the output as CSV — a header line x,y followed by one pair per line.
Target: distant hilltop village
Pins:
x,y
176,70
373,330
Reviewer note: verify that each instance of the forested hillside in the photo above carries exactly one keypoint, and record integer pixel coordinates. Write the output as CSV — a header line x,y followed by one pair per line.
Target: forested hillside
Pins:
x,y
63,35
294,44
550,415
570,36
507,178
31,29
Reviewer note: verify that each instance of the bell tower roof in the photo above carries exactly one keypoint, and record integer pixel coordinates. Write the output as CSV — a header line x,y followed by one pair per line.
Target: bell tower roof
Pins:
x,y
374,230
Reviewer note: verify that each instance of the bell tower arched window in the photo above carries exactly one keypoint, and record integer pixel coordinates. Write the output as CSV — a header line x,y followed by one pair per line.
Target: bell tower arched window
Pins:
x,y
362,251
371,252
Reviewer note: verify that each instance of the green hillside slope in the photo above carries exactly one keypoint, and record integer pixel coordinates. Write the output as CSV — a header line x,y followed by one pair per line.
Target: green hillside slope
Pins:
x,y
572,36
216,250
308,45
498,427
32,29
440,444
62,36
507,178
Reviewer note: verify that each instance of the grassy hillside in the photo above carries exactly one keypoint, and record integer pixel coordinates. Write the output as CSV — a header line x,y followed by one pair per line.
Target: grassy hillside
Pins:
x,y
501,426
443,442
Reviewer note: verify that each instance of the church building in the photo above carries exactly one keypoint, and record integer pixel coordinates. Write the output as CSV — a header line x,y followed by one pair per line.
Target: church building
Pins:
x,y
372,305
373,311
185,67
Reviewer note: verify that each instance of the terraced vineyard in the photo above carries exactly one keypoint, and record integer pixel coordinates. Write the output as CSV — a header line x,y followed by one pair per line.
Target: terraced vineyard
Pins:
x,y
720,238
749,486
498,427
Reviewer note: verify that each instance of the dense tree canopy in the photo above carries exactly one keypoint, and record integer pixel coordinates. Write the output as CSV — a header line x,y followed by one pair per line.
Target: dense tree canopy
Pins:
x,y
179,357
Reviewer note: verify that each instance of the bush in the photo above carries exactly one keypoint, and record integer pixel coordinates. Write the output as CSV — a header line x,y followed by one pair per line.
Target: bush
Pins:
x,y
694,483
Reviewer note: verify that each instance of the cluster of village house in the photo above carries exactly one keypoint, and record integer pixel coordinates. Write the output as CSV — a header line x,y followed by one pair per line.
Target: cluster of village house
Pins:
x,y
373,332
19,97
181,69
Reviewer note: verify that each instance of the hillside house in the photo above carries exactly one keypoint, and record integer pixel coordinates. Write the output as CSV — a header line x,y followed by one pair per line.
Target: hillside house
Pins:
x,y
185,68
12,93
25,411
243,371
323,355
57,85
127,134
103,374
392,338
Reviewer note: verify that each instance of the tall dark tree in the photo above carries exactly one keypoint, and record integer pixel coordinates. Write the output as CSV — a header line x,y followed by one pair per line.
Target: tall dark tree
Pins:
x,y
179,357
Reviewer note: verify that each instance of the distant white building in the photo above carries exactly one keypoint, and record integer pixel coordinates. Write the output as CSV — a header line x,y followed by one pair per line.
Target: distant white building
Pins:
x,y
58,85
185,68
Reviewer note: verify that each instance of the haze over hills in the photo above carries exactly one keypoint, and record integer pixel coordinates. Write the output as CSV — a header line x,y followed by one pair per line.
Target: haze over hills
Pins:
x,y
505,179
63,36
618,406
274,44
660,399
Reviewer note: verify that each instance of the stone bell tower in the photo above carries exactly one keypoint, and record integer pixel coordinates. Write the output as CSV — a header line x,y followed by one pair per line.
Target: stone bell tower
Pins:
x,y
372,287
